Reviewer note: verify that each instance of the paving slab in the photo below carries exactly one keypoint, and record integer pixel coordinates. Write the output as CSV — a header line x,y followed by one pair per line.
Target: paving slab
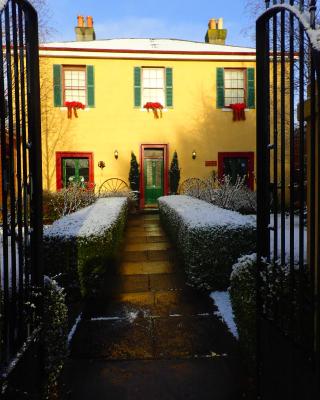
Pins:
x,y
203,379
124,339
147,246
149,267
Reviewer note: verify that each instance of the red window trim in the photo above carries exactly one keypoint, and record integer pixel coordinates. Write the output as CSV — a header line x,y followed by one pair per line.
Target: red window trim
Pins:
x,y
248,154
165,148
71,154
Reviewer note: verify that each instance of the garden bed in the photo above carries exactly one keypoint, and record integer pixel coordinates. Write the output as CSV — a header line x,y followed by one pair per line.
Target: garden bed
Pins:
x,y
209,239
80,247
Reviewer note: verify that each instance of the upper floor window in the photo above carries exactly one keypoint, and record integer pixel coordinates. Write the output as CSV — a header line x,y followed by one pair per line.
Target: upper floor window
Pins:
x,y
73,83
74,88
235,85
153,85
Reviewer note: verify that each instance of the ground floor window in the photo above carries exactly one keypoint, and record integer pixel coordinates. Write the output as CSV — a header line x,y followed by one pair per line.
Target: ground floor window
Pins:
x,y
74,168
237,164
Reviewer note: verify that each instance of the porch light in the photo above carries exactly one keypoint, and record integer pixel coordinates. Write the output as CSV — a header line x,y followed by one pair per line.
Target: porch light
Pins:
x,y
101,164
116,154
194,155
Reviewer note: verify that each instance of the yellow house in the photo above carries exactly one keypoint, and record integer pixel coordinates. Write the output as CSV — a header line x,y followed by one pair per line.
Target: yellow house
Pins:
x,y
190,89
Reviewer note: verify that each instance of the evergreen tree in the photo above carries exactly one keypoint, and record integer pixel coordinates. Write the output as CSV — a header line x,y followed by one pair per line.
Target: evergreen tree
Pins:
x,y
174,174
134,174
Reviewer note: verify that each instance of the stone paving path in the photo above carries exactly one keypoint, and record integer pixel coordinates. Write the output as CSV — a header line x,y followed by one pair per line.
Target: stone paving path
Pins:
x,y
149,335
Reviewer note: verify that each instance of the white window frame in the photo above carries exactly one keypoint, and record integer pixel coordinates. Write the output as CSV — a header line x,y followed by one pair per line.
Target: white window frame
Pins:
x,y
146,98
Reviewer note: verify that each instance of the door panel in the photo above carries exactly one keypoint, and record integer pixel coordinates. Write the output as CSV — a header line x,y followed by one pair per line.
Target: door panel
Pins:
x,y
153,175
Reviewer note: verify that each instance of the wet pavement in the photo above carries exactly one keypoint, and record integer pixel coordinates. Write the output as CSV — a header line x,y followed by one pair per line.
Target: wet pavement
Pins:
x,y
149,335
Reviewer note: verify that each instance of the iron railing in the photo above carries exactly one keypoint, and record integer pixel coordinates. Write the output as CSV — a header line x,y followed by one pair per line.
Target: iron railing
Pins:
x,y
288,171
21,274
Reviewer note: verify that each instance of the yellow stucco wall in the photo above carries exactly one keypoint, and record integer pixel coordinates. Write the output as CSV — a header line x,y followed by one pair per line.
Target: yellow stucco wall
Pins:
x,y
194,122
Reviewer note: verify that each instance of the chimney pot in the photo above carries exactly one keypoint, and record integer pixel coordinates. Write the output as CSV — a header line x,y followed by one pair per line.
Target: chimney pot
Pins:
x,y
89,22
216,34
80,21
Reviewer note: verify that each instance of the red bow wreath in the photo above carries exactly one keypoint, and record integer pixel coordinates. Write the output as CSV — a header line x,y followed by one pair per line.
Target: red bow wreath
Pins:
x,y
238,111
74,105
156,109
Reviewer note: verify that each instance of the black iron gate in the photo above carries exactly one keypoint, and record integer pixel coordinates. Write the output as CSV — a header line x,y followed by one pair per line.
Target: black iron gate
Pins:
x,y
21,274
288,171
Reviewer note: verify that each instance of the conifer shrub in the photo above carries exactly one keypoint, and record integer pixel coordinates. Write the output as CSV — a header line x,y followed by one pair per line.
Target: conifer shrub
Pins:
x,y
134,174
174,174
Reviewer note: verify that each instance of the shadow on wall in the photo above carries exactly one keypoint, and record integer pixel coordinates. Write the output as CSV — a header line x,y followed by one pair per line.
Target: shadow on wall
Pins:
x,y
214,129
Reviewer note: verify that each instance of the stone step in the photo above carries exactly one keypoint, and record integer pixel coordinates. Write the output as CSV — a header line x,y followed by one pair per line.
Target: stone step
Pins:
x,y
139,336
145,239
148,267
149,255
147,246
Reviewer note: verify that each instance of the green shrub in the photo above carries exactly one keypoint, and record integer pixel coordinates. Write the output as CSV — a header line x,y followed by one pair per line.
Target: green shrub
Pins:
x,y
174,174
80,248
209,239
134,174
243,299
54,335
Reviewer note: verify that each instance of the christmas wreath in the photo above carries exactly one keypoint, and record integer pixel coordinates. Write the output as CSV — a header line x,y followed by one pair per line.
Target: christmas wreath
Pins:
x,y
156,109
74,106
238,111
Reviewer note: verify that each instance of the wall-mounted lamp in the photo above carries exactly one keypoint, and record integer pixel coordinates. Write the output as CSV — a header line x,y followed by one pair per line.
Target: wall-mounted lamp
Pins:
x,y
101,164
116,154
194,155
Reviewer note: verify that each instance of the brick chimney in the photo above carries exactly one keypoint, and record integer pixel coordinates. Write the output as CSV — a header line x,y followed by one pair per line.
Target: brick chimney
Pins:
x,y
216,34
85,30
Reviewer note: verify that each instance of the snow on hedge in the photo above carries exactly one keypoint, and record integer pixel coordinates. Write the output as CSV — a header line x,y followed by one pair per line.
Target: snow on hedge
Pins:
x,y
91,220
81,246
199,213
209,239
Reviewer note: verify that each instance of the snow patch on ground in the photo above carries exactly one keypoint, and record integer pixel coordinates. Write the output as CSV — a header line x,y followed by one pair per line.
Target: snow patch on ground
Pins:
x,y
223,302
196,213
92,220
74,328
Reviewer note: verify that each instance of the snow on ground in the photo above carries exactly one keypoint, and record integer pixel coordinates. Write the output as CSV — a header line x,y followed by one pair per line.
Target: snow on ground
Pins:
x,y
91,220
287,236
195,212
9,263
223,303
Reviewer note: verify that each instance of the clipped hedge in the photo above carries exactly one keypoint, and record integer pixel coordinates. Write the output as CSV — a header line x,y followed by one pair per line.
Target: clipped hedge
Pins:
x,y
209,239
80,247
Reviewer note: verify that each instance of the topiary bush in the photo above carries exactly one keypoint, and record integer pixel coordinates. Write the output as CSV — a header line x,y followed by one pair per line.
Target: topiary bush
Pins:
x,y
174,174
80,247
134,174
54,335
209,239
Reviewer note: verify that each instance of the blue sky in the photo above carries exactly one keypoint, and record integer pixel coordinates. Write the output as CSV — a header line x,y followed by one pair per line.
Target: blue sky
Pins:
x,y
158,19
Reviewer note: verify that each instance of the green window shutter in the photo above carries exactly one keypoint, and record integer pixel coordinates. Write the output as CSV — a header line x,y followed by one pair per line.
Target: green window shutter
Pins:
x,y
250,88
57,85
169,88
220,87
137,86
90,86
